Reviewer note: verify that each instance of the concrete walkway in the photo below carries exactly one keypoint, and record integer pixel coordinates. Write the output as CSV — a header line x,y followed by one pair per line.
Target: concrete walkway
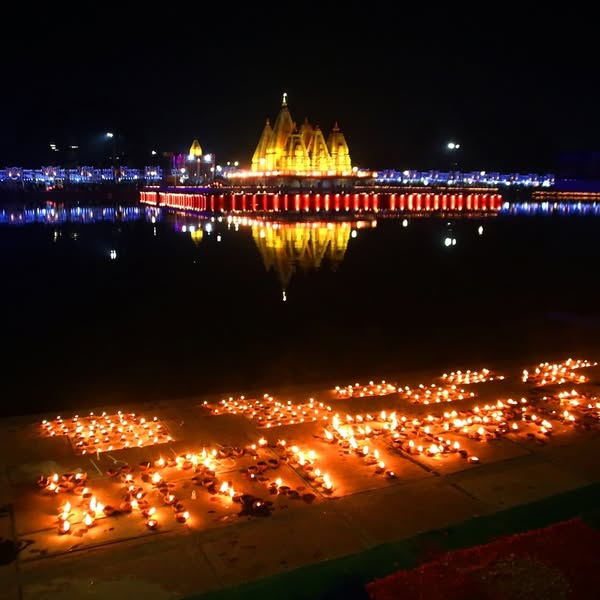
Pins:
x,y
217,549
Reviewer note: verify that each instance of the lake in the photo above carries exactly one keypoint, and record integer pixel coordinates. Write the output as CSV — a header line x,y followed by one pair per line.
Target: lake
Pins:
x,y
104,305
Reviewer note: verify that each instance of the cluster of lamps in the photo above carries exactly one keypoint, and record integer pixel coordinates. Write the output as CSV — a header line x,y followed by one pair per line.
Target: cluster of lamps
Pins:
x,y
269,412
557,373
95,434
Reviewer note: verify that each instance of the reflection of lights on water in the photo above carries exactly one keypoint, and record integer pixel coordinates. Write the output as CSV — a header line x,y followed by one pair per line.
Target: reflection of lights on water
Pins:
x,y
405,223
450,241
480,230
208,228
153,219
262,233
192,228
113,254
284,298
184,228
219,238
354,233
154,231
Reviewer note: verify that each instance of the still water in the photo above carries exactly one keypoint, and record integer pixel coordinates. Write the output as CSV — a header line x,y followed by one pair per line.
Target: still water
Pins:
x,y
109,305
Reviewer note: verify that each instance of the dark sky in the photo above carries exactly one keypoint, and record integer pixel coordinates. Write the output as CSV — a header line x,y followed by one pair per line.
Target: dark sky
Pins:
x,y
515,87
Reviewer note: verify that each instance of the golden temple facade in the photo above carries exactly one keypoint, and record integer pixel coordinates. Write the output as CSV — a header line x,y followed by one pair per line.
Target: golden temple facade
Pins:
x,y
285,149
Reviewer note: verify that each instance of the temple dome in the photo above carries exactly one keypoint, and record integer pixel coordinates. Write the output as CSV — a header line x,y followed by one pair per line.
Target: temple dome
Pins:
x,y
284,148
196,149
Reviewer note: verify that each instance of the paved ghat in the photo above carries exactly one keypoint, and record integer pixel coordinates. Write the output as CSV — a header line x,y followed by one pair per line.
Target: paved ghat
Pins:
x,y
175,499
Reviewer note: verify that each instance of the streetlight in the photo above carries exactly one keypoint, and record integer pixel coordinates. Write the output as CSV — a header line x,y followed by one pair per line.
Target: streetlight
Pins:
x,y
210,158
111,136
453,147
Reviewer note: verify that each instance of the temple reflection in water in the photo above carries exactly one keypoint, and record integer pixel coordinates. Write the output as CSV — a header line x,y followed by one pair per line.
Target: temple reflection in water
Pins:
x,y
285,246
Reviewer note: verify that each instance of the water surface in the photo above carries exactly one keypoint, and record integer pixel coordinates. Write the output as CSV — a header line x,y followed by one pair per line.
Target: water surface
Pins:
x,y
135,305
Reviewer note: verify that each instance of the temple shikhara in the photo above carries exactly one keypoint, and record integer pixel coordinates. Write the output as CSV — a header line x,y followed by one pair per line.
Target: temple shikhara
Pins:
x,y
285,149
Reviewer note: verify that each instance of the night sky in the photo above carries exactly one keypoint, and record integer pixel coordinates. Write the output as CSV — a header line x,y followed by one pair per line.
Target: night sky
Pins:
x,y
514,88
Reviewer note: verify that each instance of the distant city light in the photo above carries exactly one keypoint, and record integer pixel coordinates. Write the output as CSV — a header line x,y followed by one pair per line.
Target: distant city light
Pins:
x,y
110,134
113,254
405,223
480,230
153,152
452,146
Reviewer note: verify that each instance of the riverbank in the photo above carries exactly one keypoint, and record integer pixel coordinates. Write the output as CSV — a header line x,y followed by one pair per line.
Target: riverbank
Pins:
x,y
309,542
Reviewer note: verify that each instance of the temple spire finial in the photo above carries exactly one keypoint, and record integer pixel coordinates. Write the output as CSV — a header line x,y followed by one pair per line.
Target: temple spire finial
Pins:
x,y
284,100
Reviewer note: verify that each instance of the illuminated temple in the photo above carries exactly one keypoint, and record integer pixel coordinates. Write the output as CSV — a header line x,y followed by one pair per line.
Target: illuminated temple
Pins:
x,y
285,149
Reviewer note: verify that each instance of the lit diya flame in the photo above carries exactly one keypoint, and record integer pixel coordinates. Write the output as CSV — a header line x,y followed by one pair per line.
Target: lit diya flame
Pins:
x,y
433,449
224,489
64,527
156,478
66,511
88,520
151,523
182,517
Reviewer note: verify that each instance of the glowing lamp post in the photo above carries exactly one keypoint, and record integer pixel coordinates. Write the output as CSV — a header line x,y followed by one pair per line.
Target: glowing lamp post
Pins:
x,y
210,158
111,136
453,147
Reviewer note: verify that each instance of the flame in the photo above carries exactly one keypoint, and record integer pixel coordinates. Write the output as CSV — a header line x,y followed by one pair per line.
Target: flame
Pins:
x,y
88,520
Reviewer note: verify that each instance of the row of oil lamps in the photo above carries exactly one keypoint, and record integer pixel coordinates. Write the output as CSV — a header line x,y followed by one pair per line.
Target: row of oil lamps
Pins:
x,y
203,464
351,432
108,432
421,394
269,412
92,509
557,373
